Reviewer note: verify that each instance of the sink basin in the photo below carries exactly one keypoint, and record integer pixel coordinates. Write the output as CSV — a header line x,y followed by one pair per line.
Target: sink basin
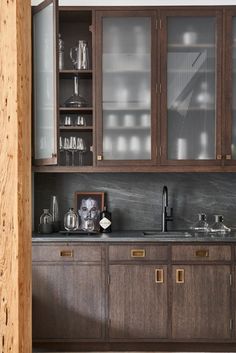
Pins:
x,y
169,234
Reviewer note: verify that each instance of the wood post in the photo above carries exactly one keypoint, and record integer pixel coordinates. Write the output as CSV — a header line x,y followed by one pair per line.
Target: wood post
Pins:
x,y
15,176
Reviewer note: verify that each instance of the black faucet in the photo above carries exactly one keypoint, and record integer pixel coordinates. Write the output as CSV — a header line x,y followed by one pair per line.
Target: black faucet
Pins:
x,y
164,216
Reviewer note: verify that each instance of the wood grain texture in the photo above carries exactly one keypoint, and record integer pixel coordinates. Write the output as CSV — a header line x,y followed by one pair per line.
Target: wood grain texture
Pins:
x,y
15,176
137,304
201,305
151,252
192,252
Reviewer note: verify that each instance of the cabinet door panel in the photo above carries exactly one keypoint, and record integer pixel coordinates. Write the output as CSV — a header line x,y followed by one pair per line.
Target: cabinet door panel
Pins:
x,y
45,83
201,302
126,89
67,301
137,304
191,128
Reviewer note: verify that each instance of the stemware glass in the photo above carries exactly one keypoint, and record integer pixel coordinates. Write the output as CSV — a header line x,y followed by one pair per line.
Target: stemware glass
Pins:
x,y
66,146
68,120
80,121
81,148
73,149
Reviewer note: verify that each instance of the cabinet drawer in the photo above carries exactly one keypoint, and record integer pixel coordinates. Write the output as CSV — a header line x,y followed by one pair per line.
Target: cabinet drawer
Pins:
x,y
201,253
138,252
65,252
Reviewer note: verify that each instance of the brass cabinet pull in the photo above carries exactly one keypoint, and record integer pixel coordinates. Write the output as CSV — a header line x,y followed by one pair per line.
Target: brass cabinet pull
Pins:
x,y
179,275
202,253
159,275
99,158
66,253
219,156
228,156
138,253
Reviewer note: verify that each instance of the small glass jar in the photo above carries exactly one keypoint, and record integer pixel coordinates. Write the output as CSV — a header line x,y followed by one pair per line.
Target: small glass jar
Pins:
x,y
218,228
46,221
201,227
71,220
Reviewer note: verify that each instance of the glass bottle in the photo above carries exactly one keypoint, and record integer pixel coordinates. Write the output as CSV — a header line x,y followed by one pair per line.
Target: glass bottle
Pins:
x,y
45,225
71,220
75,101
105,221
61,53
201,226
54,208
218,228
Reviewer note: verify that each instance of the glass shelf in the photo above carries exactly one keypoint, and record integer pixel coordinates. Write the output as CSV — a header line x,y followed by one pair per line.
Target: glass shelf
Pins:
x,y
82,109
76,128
72,73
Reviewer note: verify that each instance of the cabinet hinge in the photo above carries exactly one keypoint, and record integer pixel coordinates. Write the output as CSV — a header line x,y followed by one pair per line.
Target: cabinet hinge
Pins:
x,y
230,279
231,324
160,25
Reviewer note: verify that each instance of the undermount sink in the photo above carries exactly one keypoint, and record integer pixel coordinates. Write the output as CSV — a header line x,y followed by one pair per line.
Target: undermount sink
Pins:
x,y
168,234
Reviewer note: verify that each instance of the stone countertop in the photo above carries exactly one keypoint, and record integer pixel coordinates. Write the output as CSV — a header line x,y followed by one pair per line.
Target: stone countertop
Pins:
x,y
129,236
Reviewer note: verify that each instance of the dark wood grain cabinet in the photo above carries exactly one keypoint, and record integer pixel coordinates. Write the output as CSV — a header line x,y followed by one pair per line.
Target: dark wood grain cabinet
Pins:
x,y
159,88
68,293
136,292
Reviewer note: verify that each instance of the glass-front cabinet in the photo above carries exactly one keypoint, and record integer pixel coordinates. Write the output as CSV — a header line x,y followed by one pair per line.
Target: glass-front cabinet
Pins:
x,y
125,87
191,67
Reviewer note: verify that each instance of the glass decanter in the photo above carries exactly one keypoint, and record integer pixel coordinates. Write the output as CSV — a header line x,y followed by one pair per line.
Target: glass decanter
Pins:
x,y
71,220
75,101
46,217
219,228
201,226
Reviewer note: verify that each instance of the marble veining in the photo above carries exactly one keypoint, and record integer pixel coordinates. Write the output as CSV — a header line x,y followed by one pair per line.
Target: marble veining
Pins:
x,y
135,198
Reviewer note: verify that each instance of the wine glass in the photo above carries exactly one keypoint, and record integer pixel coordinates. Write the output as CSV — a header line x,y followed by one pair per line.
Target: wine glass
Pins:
x,y
66,146
73,148
81,148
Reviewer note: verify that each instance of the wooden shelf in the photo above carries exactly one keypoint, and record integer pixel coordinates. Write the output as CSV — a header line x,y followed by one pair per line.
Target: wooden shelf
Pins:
x,y
80,73
76,128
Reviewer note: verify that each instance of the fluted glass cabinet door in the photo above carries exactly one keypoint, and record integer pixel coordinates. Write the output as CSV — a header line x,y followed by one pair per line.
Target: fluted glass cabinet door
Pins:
x,y
126,87
44,88
191,125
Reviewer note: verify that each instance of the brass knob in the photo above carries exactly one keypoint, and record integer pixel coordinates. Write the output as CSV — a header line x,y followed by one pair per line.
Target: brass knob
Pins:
x,y
99,158
219,156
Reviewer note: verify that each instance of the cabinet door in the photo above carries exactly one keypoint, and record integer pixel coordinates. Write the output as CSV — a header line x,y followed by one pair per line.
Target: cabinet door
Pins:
x,y
201,302
125,87
68,301
138,301
191,81
229,86
45,83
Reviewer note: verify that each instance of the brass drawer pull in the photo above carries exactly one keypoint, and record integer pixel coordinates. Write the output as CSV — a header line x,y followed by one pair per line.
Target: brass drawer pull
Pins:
x,y
66,253
159,275
202,253
138,253
179,275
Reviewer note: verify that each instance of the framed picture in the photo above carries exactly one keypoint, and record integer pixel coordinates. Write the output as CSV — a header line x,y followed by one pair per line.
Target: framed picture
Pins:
x,y
89,206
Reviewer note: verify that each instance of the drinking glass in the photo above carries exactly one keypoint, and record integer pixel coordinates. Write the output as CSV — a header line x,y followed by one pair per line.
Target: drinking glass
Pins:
x,y
80,121
73,149
81,148
66,146
68,120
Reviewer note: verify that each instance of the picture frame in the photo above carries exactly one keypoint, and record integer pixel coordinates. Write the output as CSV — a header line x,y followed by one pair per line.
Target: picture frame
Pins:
x,y
89,205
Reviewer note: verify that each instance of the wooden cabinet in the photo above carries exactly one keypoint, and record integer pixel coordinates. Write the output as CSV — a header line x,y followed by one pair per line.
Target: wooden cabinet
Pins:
x,y
68,293
201,302
159,89
137,301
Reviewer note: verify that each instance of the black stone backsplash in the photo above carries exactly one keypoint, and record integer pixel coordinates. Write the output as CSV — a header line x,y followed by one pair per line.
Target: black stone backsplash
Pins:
x,y
135,199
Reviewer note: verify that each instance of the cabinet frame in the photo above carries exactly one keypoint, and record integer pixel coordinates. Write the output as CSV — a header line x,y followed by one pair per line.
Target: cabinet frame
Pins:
x,y
99,116
217,13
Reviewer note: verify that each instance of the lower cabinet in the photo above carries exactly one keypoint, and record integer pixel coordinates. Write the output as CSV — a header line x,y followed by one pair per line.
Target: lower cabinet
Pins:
x,y
137,301
201,306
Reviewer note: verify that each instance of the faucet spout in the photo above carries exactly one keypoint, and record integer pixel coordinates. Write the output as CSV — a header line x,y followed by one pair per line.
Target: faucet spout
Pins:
x,y
165,217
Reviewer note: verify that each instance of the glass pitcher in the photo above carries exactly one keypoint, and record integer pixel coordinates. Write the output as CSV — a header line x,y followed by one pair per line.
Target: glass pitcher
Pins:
x,y
79,55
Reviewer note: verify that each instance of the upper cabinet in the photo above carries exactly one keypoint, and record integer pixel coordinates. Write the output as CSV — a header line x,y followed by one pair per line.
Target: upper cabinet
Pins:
x,y
191,81
134,89
125,87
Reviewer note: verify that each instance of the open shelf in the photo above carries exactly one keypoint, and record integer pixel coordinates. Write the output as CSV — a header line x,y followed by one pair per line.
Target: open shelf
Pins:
x,y
79,73
82,109
76,128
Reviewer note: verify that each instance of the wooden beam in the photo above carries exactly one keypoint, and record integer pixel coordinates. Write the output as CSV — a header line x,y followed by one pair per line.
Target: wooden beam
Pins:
x,y
15,176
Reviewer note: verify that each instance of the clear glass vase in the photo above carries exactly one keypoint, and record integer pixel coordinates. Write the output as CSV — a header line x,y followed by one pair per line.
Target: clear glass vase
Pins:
x,y
75,101
71,220
219,228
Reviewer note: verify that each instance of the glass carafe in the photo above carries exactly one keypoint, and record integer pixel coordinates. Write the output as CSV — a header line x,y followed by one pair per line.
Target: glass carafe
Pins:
x,y
46,225
79,56
218,228
71,220
75,101
201,226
